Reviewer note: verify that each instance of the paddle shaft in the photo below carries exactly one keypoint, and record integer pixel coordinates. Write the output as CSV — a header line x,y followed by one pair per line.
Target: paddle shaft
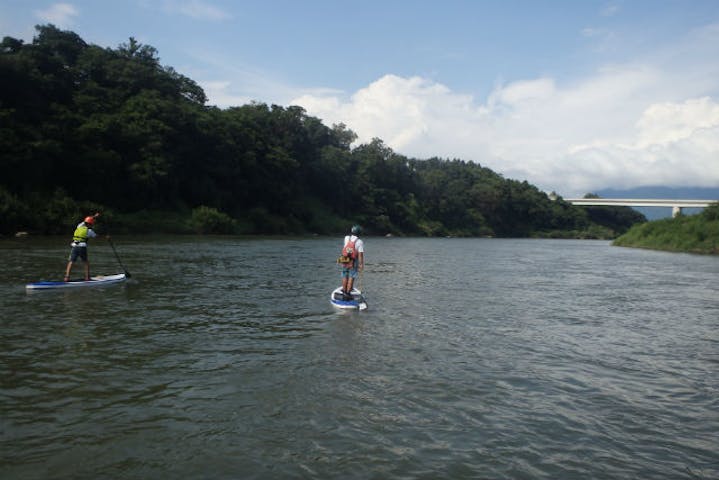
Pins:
x,y
363,304
127,274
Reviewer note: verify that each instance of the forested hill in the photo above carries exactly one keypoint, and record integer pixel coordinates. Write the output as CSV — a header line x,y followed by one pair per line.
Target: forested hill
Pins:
x,y
85,128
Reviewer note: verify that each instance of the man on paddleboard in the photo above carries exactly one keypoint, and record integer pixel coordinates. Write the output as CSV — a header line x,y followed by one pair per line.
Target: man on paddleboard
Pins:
x,y
82,233
353,260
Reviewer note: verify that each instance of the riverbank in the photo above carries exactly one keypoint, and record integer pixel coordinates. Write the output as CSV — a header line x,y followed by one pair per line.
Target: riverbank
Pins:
x,y
259,222
691,234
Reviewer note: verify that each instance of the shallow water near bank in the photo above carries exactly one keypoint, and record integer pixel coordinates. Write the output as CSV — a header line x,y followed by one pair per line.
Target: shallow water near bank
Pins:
x,y
477,358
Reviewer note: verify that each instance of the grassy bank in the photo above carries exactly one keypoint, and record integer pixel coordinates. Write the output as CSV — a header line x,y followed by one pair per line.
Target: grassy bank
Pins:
x,y
692,234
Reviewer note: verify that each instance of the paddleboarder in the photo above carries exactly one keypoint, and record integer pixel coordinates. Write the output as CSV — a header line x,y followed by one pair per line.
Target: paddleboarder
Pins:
x,y
352,260
82,233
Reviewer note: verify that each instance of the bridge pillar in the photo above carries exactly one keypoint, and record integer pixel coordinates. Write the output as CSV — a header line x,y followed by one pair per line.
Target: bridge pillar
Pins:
x,y
676,211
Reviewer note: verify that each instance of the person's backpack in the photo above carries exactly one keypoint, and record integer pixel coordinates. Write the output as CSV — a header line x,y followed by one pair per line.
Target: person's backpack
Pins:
x,y
349,254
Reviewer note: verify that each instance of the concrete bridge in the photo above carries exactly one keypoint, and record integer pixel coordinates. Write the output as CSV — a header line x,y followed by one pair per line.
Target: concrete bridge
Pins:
x,y
676,205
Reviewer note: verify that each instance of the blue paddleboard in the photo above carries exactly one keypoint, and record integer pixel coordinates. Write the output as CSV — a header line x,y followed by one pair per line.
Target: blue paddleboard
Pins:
x,y
357,302
93,282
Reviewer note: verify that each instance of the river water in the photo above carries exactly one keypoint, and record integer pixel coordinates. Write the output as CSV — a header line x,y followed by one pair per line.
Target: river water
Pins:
x,y
476,359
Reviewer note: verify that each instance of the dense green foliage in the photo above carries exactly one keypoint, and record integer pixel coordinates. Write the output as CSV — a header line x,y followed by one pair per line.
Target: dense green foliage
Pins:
x,y
85,128
694,233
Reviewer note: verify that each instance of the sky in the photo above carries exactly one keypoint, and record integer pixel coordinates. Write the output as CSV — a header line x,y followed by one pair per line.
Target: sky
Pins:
x,y
572,96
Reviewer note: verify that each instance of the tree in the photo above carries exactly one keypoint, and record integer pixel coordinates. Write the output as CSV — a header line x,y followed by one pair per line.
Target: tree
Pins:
x,y
81,125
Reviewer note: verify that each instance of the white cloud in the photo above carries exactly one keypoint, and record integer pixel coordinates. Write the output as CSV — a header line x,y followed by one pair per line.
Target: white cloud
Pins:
x,y
646,123
59,14
670,123
610,10
400,111
196,9
230,82
219,92
524,92
590,32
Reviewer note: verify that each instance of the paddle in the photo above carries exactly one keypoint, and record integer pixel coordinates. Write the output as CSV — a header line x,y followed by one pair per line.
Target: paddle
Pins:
x,y
363,304
127,274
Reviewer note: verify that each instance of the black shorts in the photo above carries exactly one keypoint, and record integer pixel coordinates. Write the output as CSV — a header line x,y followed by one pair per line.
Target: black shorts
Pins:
x,y
78,252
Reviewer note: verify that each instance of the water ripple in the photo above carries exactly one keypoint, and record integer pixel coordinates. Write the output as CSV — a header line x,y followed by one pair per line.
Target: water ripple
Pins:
x,y
477,359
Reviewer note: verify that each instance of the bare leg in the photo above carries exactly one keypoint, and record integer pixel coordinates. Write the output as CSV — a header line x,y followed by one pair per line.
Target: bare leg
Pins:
x,y
67,271
87,270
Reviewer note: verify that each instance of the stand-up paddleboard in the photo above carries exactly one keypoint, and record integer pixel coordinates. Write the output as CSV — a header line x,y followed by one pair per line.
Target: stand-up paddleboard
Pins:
x,y
93,282
357,302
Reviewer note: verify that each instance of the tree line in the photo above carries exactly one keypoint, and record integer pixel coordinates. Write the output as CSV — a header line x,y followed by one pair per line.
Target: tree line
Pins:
x,y
85,128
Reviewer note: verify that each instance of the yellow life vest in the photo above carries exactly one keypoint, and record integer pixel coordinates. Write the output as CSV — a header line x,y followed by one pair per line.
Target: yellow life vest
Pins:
x,y
80,234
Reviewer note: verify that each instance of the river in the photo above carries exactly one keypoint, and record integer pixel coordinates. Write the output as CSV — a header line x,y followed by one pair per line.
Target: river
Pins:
x,y
477,359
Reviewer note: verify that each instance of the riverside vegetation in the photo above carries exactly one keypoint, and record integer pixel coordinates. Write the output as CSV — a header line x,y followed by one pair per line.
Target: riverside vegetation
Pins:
x,y
696,233
85,128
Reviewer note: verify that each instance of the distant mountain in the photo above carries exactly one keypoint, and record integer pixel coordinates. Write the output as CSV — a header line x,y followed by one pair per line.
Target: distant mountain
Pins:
x,y
654,213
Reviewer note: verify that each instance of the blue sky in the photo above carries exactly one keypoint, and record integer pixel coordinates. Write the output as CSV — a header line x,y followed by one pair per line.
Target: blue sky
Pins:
x,y
572,96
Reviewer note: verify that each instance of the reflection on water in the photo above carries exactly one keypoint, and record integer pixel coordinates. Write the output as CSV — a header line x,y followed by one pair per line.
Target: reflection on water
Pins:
x,y
223,358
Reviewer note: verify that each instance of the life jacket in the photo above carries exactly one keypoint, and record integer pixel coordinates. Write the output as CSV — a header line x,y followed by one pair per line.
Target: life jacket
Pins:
x,y
80,234
349,254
